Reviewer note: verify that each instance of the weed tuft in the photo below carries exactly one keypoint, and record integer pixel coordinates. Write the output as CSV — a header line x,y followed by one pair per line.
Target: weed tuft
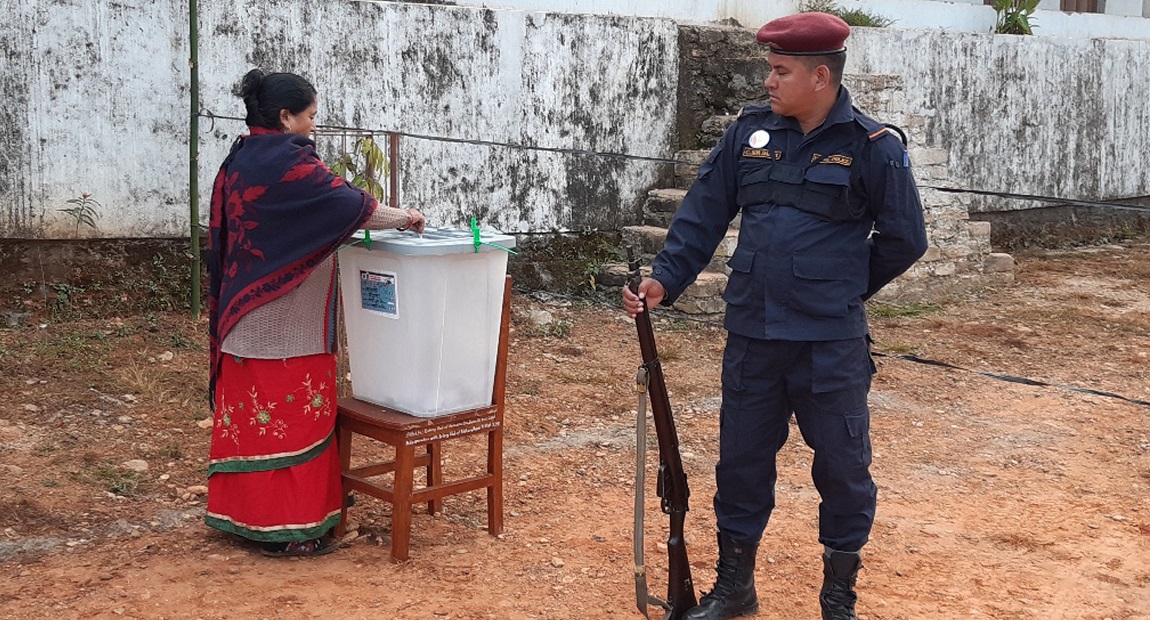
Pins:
x,y
880,310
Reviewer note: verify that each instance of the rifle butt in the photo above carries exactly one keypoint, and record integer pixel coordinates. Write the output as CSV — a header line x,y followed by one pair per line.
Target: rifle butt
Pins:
x,y
680,586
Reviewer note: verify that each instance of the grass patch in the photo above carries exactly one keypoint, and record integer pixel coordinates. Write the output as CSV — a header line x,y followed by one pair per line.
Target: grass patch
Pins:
x,y
897,348
670,353
115,480
80,349
559,328
880,310
174,450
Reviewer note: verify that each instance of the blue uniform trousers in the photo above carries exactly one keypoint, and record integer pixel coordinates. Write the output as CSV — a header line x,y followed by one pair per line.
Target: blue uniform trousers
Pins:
x,y
825,385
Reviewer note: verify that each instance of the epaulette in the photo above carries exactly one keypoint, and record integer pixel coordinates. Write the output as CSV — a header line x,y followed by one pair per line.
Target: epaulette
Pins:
x,y
878,131
878,134
753,109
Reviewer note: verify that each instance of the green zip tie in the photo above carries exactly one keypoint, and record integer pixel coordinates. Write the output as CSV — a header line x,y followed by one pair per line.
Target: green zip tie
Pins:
x,y
476,241
367,239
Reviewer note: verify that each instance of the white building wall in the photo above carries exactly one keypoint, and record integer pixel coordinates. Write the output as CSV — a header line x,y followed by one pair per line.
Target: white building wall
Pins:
x,y
95,101
1024,115
1123,18
98,103
104,105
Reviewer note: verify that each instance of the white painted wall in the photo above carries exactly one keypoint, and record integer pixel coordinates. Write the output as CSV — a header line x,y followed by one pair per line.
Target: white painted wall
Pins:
x,y
95,101
1024,115
97,98
105,105
600,83
1123,18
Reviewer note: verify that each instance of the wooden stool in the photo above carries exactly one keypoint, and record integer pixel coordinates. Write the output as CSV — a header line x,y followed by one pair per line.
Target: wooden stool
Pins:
x,y
406,433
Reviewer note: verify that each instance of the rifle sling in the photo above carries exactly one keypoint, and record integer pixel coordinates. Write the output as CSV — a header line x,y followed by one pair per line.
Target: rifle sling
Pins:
x,y
643,598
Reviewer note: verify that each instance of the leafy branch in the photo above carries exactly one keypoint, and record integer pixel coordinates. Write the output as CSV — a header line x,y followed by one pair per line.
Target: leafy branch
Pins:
x,y
85,212
1014,16
853,17
365,167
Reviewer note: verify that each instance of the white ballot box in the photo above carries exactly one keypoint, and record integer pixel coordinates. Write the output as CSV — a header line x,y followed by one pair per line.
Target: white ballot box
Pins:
x,y
422,315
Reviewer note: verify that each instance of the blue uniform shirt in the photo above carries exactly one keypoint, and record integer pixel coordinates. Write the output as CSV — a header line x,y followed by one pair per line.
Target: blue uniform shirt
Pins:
x,y
828,219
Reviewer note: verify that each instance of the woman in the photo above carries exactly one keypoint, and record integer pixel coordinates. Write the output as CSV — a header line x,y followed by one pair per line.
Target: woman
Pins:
x,y
278,215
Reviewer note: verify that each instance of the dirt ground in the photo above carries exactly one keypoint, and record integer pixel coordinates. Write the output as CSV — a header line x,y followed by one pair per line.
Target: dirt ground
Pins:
x,y
996,499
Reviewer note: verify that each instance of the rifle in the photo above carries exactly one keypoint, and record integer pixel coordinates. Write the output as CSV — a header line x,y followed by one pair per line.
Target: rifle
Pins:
x,y
672,481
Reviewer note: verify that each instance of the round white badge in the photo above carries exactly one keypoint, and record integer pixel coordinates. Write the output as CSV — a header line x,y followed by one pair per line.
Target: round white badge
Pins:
x,y
759,139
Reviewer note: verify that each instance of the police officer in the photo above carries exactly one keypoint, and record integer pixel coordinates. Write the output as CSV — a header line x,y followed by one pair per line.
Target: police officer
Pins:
x,y
830,214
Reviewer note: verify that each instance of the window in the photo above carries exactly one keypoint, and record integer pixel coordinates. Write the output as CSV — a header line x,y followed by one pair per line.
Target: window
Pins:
x,y
1083,6
1078,6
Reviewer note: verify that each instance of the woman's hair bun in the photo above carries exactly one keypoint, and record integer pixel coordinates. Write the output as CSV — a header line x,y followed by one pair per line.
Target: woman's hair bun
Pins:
x,y
250,85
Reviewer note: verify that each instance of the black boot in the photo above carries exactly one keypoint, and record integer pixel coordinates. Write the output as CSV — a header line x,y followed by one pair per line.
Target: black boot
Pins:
x,y
734,592
840,571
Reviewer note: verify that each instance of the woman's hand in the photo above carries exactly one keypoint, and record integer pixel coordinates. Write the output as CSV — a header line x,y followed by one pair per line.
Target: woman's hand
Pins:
x,y
416,221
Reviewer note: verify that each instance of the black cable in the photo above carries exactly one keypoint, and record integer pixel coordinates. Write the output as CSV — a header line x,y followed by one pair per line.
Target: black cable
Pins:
x,y
910,358
663,160
658,312
1013,379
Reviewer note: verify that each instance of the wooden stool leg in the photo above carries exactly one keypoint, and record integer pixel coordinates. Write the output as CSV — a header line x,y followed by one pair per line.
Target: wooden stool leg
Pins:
x,y
401,507
343,444
434,474
495,490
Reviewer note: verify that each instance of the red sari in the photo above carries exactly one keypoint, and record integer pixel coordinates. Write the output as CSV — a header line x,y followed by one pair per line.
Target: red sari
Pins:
x,y
277,213
274,469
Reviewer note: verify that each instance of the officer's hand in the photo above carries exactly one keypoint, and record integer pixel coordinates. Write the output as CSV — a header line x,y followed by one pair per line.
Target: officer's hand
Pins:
x,y
651,292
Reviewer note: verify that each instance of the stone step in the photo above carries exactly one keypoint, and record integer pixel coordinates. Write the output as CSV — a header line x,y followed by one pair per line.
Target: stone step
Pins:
x,y
686,172
646,240
713,129
704,297
615,275
661,205
649,240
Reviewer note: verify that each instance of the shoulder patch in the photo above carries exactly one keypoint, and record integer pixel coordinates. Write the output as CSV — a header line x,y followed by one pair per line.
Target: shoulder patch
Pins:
x,y
895,130
748,110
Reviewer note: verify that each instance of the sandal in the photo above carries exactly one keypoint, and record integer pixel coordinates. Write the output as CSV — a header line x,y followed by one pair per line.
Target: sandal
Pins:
x,y
302,548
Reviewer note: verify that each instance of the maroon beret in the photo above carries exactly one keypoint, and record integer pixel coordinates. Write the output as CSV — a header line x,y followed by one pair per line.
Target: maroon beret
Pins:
x,y
805,34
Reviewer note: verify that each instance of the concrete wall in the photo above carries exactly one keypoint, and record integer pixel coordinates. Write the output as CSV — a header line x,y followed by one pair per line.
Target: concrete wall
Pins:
x,y
106,105
1023,115
560,81
1123,18
99,96
95,101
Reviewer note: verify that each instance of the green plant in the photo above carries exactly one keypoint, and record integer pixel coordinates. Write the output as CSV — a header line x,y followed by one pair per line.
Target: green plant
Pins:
x,y
174,450
62,305
853,17
900,311
84,212
363,166
1014,16
117,481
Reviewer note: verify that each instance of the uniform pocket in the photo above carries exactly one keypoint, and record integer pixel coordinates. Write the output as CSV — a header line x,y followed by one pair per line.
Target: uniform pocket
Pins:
x,y
827,192
858,423
824,285
754,183
742,289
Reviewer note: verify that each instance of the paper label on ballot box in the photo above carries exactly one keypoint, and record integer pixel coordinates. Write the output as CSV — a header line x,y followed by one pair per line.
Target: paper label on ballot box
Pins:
x,y
377,293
